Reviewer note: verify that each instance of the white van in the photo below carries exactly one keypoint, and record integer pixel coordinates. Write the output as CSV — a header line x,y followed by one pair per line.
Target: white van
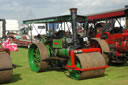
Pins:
x,y
33,29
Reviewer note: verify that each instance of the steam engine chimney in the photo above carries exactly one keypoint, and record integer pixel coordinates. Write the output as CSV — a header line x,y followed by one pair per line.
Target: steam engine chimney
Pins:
x,y
74,24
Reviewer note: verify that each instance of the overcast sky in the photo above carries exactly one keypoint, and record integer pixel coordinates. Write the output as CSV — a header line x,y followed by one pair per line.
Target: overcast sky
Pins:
x,y
29,9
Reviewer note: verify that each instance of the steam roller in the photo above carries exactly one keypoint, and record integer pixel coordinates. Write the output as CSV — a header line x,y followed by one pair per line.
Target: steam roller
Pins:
x,y
6,68
64,51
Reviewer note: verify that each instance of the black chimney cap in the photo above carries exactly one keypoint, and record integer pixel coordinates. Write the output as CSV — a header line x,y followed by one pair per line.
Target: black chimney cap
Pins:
x,y
126,6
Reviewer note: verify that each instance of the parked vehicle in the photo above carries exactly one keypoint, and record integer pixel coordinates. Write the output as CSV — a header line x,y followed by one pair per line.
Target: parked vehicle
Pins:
x,y
110,33
63,49
8,26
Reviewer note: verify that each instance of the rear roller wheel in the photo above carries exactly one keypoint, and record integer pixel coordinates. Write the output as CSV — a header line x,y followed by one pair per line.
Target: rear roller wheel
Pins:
x,y
6,68
37,53
100,43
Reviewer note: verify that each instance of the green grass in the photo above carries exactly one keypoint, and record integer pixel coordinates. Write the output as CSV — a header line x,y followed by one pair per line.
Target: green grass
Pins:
x,y
22,75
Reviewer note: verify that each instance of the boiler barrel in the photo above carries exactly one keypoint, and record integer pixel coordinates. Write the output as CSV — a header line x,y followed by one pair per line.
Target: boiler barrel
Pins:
x,y
64,52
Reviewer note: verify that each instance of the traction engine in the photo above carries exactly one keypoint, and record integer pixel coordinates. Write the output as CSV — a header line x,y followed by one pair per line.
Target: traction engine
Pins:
x,y
62,50
111,34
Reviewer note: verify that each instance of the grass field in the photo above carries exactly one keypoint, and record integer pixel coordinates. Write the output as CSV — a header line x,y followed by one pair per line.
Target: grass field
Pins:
x,y
22,74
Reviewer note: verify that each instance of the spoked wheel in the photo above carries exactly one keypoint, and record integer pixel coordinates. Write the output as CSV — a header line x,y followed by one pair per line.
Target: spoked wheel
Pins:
x,y
37,54
100,43
87,60
6,68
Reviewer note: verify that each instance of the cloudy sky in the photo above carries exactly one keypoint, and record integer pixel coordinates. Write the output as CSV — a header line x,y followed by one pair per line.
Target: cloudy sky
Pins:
x,y
29,9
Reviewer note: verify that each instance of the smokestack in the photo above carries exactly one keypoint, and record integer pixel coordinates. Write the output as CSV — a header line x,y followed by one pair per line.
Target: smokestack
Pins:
x,y
126,6
126,15
74,24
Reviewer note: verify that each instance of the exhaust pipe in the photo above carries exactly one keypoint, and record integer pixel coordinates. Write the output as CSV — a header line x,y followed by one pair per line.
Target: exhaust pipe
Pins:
x,y
126,6
74,24
126,14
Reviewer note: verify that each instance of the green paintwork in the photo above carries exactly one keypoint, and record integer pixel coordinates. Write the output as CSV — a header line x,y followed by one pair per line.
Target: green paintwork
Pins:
x,y
59,45
73,73
50,51
18,37
64,52
42,39
48,47
64,18
34,58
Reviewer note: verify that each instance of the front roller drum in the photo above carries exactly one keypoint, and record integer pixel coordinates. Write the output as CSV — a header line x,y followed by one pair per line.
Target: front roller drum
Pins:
x,y
37,53
88,60
6,68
